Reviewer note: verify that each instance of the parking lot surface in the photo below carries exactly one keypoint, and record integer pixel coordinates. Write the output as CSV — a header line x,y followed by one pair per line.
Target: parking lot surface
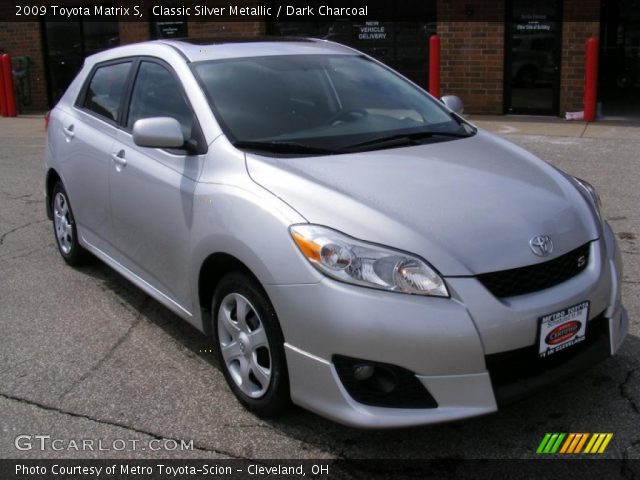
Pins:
x,y
86,355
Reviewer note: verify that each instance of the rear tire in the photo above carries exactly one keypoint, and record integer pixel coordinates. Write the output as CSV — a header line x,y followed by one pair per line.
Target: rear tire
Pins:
x,y
250,345
64,228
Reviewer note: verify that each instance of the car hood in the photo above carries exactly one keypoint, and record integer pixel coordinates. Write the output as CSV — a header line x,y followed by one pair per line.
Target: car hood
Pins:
x,y
467,206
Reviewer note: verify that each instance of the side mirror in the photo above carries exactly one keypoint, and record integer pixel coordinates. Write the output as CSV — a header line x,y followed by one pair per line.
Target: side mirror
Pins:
x,y
158,132
454,103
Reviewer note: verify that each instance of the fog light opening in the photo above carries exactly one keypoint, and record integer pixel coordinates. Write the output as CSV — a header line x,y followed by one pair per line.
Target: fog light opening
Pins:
x,y
382,384
375,378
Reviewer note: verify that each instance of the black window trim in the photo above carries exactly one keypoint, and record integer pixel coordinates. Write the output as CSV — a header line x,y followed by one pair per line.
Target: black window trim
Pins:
x,y
81,98
123,109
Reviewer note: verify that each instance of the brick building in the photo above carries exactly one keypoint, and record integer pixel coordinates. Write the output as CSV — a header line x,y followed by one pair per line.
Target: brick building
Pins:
x,y
500,56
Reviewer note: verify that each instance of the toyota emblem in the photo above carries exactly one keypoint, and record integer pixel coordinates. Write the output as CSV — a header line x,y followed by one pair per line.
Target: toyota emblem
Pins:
x,y
541,245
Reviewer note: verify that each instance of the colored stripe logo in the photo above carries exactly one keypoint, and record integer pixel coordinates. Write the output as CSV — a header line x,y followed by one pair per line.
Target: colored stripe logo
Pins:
x,y
573,443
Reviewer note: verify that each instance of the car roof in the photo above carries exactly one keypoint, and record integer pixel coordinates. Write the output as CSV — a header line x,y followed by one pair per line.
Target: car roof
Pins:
x,y
199,49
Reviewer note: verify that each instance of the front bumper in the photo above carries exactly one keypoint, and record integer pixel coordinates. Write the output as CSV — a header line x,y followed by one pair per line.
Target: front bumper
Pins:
x,y
444,342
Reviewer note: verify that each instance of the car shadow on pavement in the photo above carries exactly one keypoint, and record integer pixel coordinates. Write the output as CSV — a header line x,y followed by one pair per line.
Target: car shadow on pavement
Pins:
x,y
602,399
138,302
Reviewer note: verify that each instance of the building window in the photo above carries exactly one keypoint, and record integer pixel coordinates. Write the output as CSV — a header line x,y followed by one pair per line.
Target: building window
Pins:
x,y
403,45
66,44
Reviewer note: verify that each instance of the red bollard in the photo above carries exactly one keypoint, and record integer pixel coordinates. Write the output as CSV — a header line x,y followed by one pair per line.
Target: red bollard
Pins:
x,y
7,77
591,79
434,66
3,96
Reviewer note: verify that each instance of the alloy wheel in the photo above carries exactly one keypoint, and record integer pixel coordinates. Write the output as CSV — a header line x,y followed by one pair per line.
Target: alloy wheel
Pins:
x,y
244,345
63,223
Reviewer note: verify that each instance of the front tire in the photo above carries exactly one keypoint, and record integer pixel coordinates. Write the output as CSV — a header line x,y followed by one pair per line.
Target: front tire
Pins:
x,y
64,228
250,345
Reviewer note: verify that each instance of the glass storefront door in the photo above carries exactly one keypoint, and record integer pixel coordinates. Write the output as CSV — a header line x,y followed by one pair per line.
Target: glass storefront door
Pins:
x,y
619,72
66,45
532,57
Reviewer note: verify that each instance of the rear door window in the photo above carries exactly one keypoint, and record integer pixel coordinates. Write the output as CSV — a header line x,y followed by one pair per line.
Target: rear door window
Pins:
x,y
104,92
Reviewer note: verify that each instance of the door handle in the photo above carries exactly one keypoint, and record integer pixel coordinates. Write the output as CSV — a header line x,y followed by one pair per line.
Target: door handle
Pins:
x,y
119,158
68,131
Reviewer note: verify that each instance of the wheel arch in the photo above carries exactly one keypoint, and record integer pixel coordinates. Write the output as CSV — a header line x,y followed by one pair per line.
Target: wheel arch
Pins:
x,y
213,268
51,179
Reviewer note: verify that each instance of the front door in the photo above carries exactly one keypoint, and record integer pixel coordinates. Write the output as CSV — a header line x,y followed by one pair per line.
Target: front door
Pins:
x,y
152,189
532,57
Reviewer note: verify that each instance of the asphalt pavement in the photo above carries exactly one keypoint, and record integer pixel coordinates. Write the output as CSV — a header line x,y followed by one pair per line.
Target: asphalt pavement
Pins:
x,y
86,355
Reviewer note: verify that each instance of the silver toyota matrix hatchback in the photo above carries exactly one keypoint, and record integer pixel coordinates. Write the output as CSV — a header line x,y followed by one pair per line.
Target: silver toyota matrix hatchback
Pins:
x,y
351,243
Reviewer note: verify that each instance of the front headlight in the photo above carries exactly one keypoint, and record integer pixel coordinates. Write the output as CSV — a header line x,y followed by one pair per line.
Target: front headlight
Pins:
x,y
591,192
352,261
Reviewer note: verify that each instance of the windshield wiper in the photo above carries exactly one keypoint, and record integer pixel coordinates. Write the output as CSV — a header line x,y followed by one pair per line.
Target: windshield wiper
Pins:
x,y
283,147
412,138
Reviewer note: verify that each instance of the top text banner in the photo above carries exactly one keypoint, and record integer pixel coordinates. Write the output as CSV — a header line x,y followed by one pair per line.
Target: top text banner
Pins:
x,y
266,10
217,10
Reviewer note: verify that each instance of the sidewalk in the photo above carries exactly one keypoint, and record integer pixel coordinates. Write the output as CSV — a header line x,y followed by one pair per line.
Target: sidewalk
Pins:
x,y
24,126
555,127
32,125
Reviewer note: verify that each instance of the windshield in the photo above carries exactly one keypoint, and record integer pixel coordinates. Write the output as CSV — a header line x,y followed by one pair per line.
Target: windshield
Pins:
x,y
320,104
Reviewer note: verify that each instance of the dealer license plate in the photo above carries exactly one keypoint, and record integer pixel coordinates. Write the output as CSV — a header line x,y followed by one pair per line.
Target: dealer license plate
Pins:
x,y
562,329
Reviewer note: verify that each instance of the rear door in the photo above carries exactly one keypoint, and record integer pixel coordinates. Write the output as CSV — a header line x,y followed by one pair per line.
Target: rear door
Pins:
x,y
152,189
86,136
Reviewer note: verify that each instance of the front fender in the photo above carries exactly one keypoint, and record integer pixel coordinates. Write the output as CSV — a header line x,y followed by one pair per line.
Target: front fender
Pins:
x,y
251,225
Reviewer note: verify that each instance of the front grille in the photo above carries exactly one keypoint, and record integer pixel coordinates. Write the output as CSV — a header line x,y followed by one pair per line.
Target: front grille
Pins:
x,y
518,373
519,281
